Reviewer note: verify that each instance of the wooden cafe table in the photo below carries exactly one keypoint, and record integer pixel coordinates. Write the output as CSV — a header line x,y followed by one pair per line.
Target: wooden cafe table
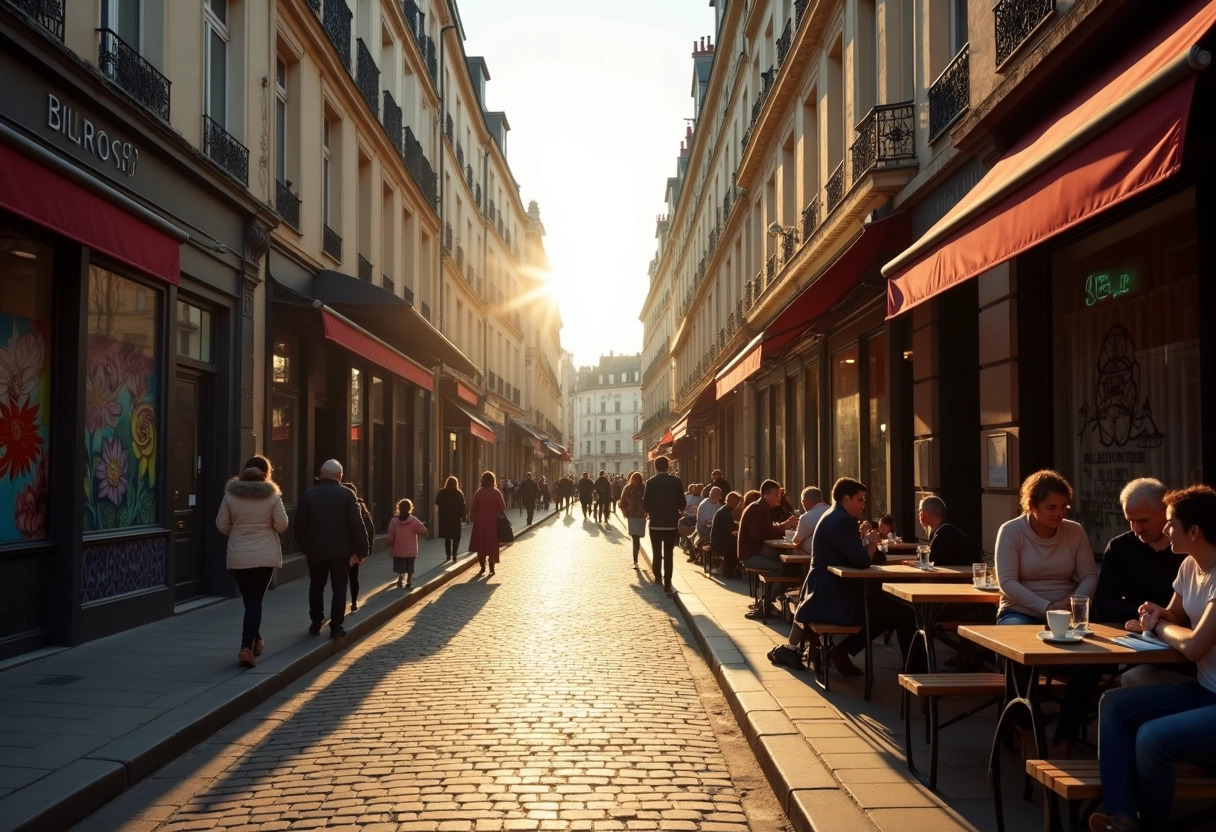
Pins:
x,y
1020,644
893,572
928,600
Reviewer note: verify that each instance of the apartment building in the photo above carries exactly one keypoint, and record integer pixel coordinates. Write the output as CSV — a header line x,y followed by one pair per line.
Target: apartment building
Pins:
x,y
285,228
838,144
606,409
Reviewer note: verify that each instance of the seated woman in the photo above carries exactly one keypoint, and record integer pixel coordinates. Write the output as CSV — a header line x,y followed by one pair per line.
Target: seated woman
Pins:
x,y
1041,559
1143,732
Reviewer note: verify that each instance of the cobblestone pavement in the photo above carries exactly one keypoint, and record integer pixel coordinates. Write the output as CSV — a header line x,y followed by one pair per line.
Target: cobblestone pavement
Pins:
x,y
560,694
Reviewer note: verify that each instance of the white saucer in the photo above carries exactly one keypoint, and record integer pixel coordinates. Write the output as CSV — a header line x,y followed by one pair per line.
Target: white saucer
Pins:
x,y
1068,638
987,588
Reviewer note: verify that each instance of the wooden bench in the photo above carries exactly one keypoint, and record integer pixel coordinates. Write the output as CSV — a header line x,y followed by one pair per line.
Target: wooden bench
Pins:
x,y
933,686
826,641
767,580
1079,783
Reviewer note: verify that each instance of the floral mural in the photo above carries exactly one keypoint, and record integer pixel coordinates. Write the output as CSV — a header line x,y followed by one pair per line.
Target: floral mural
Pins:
x,y
120,405
25,382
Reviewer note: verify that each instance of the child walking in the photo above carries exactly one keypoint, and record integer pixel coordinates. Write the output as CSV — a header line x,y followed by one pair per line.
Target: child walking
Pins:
x,y
403,533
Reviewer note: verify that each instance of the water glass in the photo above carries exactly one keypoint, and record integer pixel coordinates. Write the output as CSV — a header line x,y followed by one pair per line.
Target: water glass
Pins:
x,y
979,574
1080,611
922,557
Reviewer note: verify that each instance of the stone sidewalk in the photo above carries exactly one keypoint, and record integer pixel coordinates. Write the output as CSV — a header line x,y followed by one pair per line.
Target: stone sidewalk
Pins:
x,y
79,726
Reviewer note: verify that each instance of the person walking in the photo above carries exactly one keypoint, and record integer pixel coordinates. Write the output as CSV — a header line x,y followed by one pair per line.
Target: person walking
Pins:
x,y
488,503
329,529
663,499
356,559
586,490
529,493
544,494
618,485
403,533
253,517
450,509
634,512
603,497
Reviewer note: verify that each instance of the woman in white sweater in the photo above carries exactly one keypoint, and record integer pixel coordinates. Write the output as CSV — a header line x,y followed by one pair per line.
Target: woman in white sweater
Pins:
x,y
253,517
1042,558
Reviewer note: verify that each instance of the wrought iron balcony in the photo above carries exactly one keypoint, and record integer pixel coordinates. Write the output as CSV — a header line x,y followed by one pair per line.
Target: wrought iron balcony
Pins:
x,y
287,204
477,195
950,94
365,268
1015,20
223,149
447,238
783,43
123,65
432,65
810,217
367,77
449,127
835,187
468,175
800,7
46,13
885,135
789,242
331,243
459,257
420,169
390,119
459,155
315,5
336,21
411,16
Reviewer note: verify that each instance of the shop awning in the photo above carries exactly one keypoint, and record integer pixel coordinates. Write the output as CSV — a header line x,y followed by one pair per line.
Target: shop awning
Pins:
x,y
556,451
876,242
533,433
353,337
1116,137
44,197
476,427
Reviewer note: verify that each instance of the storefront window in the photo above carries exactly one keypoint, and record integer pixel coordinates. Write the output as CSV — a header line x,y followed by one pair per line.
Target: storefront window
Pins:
x,y
193,332
876,357
846,396
284,446
122,403
354,462
810,436
25,387
1127,363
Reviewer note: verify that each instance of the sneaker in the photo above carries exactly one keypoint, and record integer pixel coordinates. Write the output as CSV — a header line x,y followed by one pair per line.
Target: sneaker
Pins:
x,y
783,655
409,586
336,632
258,646
245,657
314,627
354,606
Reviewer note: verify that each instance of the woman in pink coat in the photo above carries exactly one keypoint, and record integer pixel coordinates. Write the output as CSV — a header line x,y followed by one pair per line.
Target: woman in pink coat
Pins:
x,y
403,533
484,510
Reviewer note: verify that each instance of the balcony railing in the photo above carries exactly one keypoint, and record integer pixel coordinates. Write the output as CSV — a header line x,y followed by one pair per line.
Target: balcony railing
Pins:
x,y
331,243
449,127
336,21
789,242
432,64
468,175
367,77
950,94
460,257
800,7
810,217
447,238
459,153
419,167
123,65
223,149
390,119
783,43
766,86
287,204
46,13
411,16
834,189
365,268
315,5
1015,20
885,135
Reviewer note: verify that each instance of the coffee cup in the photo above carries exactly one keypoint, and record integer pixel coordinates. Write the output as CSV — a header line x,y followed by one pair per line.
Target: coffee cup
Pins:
x,y
1058,621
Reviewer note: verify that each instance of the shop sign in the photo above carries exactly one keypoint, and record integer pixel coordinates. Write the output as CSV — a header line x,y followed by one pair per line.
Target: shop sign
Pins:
x,y
1108,285
91,138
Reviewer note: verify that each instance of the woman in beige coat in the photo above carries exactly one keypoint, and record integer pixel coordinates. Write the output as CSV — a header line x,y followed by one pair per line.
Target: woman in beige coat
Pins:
x,y
253,517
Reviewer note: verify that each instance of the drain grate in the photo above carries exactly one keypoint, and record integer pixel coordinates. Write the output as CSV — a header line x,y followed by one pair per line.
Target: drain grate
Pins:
x,y
60,680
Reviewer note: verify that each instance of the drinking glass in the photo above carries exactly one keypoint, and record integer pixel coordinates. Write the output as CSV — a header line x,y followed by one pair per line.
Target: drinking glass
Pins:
x,y
1080,611
979,574
922,557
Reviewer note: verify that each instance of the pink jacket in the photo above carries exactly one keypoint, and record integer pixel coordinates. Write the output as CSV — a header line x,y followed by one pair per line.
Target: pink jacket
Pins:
x,y
403,536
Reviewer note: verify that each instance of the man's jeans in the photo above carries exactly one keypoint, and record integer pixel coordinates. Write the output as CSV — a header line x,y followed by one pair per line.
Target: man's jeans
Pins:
x,y
335,572
1142,733
662,546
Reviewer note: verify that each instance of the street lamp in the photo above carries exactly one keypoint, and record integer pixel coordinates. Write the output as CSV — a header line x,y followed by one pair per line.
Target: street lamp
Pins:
x,y
779,230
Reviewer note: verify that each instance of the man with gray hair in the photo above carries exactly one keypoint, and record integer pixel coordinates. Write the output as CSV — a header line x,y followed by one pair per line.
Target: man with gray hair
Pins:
x,y
813,507
329,529
1138,565
706,511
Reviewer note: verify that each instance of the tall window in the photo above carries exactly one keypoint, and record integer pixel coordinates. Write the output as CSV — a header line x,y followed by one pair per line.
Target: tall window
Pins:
x,y
618,449
618,425
603,425
286,376
216,25
618,406
846,395
603,446
280,120
325,170
123,17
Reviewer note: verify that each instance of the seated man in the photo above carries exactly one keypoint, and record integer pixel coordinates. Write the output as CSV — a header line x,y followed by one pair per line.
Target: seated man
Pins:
x,y
756,526
832,599
722,534
813,508
706,511
1140,565
950,546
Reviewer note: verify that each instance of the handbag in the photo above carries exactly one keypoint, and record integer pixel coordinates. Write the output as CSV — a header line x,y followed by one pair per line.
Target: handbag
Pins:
x,y
505,533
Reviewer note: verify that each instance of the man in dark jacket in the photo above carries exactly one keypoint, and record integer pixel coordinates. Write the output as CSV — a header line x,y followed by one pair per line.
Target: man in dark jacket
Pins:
x,y
603,497
529,492
329,529
663,499
586,490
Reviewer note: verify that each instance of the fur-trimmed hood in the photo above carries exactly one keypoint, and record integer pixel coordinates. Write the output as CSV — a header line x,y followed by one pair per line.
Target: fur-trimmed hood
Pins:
x,y
252,489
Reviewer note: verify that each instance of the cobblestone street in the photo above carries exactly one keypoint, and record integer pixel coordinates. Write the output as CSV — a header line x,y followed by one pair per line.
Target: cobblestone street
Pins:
x,y
558,694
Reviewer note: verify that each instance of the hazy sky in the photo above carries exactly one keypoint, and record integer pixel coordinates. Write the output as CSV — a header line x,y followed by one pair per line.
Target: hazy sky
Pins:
x,y
596,95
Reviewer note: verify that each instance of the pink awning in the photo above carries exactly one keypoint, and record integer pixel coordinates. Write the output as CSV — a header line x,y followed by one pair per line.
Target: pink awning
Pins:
x,y
359,341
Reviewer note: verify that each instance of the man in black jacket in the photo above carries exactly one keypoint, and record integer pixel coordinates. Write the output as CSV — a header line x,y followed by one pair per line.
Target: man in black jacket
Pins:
x,y
528,494
603,497
663,499
329,529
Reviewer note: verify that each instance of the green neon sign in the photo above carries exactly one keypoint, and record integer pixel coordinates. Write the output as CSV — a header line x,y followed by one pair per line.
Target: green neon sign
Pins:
x,y
1106,286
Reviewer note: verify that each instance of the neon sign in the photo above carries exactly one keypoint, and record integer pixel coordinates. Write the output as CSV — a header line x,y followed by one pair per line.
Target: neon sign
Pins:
x,y
1104,286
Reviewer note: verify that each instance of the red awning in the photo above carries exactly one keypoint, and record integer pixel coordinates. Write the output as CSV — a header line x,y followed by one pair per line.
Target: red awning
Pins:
x,y
1116,137
361,342
48,199
667,438
476,427
878,239
680,428
466,393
